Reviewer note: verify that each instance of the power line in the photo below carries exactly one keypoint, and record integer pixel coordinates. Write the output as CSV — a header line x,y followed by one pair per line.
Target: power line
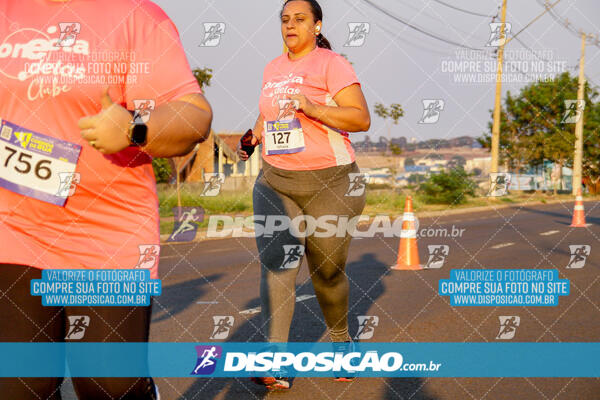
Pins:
x,y
417,28
417,46
465,11
438,19
592,83
395,35
548,9
593,38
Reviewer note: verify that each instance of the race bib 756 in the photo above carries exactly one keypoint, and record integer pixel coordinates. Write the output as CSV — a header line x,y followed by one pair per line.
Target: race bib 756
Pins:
x,y
31,163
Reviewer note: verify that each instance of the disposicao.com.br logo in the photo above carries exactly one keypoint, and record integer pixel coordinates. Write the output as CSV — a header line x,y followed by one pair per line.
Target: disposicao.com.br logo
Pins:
x,y
364,226
312,363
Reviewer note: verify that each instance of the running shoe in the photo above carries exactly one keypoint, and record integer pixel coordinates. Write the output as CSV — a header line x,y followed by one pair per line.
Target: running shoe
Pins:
x,y
271,382
344,347
280,381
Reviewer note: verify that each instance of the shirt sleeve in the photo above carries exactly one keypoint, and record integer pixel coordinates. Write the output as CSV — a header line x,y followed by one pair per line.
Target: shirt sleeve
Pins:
x,y
160,70
340,74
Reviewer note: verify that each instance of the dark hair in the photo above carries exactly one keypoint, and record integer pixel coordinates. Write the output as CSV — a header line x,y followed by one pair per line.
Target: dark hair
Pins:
x,y
317,12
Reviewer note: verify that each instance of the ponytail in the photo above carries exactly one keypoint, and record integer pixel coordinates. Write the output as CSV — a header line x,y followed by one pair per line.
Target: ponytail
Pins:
x,y
323,42
317,12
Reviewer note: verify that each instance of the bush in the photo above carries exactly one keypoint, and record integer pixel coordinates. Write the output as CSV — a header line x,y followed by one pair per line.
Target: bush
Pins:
x,y
451,187
162,170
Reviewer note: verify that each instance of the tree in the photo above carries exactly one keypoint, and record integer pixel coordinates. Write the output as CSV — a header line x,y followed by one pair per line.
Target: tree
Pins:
x,y
453,187
394,112
396,150
416,178
203,76
162,169
533,129
460,160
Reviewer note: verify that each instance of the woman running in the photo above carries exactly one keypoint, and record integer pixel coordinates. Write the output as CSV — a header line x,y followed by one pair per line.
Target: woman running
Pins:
x,y
310,99
77,188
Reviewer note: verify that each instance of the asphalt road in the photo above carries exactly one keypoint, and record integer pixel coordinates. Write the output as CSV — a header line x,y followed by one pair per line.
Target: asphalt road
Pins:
x,y
220,278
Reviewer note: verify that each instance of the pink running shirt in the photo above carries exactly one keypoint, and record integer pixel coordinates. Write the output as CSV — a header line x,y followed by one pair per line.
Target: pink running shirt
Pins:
x,y
319,75
55,60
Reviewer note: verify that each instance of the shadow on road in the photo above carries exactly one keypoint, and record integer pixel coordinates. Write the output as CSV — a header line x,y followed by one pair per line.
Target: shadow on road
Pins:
x,y
366,286
176,298
564,218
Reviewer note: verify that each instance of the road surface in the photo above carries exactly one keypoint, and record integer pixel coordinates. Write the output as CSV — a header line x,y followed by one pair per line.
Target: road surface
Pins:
x,y
220,278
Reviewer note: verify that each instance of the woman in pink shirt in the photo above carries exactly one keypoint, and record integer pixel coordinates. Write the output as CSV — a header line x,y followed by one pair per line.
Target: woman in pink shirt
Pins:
x,y
77,188
310,99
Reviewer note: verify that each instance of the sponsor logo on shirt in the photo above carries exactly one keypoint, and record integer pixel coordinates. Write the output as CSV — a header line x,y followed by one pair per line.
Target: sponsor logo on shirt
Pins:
x,y
44,58
283,86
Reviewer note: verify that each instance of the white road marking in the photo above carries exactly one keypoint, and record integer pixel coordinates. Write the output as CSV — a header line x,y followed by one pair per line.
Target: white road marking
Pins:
x,y
304,297
548,233
256,310
501,245
207,302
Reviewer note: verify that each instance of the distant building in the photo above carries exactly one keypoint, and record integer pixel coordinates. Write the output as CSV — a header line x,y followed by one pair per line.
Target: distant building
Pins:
x,y
484,164
217,154
382,144
416,169
431,163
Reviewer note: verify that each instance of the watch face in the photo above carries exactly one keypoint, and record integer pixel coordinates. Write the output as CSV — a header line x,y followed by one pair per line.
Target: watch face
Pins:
x,y
139,133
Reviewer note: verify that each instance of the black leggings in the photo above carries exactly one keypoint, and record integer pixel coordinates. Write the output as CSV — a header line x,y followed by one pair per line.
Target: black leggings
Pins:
x,y
24,319
291,194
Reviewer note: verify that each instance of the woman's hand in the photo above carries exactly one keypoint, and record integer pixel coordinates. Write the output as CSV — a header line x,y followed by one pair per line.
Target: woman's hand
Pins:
x,y
241,153
351,113
304,105
256,137
107,130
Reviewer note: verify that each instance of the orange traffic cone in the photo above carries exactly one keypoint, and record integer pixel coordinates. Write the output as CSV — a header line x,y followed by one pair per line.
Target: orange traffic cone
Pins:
x,y
578,212
408,253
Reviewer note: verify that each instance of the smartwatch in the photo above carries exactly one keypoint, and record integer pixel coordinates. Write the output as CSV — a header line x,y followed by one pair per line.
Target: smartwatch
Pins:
x,y
137,132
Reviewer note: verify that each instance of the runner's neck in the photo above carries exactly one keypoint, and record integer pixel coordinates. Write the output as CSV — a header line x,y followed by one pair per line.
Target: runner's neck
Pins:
x,y
301,54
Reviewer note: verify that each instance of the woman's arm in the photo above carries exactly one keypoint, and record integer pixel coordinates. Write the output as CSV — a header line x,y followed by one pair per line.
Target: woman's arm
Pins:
x,y
174,128
351,114
259,127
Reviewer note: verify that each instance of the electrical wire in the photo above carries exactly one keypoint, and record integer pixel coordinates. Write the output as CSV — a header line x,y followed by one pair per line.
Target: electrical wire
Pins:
x,y
593,39
417,28
395,35
463,10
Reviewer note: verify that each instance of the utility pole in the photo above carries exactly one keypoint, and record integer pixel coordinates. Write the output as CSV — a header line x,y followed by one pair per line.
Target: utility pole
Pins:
x,y
497,105
577,160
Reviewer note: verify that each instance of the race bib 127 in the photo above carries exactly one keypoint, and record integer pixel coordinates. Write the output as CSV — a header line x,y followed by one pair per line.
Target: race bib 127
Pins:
x,y
283,137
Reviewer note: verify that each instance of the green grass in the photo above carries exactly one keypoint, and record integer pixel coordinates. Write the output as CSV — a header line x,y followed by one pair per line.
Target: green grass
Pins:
x,y
379,201
224,203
